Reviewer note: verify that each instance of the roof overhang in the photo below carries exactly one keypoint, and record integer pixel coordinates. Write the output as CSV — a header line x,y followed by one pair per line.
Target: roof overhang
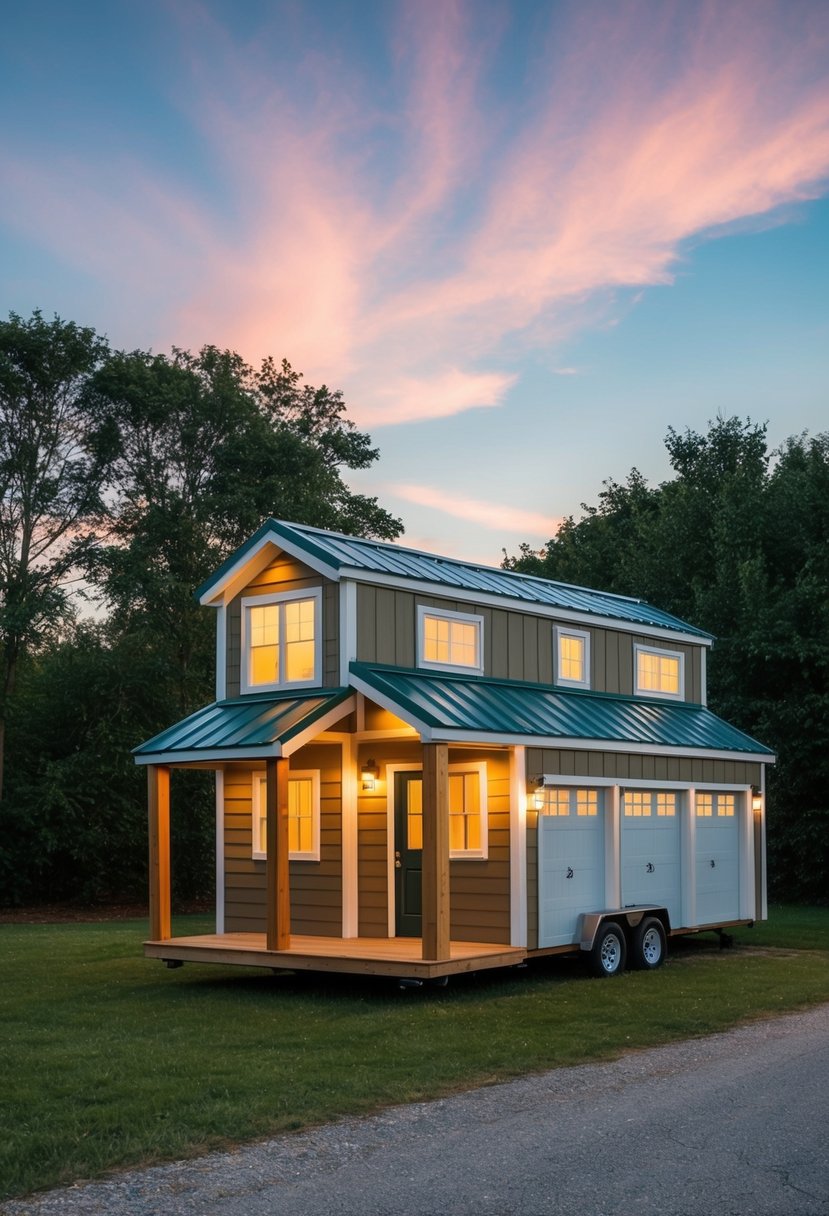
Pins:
x,y
248,728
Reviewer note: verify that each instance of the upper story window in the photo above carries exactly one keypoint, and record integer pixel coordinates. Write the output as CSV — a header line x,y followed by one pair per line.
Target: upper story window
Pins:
x,y
572,653
303,816
450,641
659,673
281,640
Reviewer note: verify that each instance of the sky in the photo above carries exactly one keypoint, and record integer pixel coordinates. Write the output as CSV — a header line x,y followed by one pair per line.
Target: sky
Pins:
x,y
523,238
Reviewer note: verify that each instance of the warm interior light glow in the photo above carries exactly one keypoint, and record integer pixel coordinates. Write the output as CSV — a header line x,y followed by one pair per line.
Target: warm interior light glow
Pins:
x,y
369,774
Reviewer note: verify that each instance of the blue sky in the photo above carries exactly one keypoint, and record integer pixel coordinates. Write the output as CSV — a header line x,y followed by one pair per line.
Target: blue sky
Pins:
x,y
523,238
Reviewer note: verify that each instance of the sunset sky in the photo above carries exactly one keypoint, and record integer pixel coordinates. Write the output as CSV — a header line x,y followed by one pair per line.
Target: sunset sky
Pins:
x,y
524,238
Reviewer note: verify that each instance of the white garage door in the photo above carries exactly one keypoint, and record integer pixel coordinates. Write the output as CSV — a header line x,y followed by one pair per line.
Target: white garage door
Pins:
x,y
650,850
717,858
571,863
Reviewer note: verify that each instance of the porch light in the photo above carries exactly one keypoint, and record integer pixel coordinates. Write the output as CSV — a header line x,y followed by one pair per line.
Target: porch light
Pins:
x,y
540,795
369,774
756,801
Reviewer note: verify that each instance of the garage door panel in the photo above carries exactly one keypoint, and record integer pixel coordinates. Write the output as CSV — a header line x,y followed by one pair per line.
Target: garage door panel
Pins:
x,y
651,870
571,877
717,857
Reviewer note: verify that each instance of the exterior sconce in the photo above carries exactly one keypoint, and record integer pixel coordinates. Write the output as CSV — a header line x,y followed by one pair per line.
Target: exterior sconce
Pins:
x,y
756,801
369,774
540,795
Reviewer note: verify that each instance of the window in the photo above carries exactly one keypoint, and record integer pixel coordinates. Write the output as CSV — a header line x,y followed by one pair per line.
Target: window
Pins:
x,y
467,812
303,816
450,641
710,805
562,802
281,640
659,673
643,804
572,651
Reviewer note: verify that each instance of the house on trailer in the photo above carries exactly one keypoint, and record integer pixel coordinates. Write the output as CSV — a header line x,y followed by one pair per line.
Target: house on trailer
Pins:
x,y
425,766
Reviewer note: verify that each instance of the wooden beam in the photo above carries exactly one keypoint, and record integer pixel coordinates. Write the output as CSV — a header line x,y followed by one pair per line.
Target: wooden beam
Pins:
x,y
435,899
158,801
276,865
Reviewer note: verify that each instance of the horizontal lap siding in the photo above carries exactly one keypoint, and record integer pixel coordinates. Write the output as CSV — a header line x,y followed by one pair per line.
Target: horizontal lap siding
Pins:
x,y
286,574
316,886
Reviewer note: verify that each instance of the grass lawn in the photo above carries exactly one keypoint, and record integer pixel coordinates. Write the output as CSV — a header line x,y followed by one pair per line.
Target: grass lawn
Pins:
x,y
109,1059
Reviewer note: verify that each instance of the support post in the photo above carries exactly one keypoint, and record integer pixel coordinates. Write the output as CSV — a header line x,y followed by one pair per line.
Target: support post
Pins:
x,y
276,865
435,900
158,801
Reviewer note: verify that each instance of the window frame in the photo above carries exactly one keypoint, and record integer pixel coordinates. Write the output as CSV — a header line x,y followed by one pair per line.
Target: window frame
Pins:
x,y
257,781
572,792
478,766
562,631
467,618
280,597
640,648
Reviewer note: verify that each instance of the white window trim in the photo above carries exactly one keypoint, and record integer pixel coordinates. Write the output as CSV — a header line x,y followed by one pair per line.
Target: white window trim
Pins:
x,y
560,631
445,614
282,597
258,780
475,766
638,649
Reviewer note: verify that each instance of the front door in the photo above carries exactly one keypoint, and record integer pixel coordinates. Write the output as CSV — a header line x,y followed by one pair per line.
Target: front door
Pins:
x,y
408,852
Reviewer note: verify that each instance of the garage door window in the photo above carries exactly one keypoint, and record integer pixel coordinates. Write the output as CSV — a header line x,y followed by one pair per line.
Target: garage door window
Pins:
x,y
642,804
710,806
562,802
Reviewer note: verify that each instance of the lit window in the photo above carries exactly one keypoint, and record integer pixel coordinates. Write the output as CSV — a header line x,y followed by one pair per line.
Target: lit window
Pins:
x,y
705,806
282,641
725,806
450,640
659,673
563,802
665,805
637,804
572,647
464,813
303,816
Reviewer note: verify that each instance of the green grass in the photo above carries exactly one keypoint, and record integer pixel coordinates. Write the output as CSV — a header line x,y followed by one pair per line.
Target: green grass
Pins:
x,y
108,1059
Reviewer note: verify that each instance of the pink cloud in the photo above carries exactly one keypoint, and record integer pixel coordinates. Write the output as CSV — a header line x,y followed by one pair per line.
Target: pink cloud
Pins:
x,y
405,251
480,511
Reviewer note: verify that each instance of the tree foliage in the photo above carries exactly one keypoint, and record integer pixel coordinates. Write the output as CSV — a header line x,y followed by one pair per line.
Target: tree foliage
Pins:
x,y
737,542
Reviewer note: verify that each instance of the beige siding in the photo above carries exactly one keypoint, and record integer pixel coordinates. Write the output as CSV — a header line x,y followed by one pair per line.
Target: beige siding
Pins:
x,y
316,886
286,574
479,890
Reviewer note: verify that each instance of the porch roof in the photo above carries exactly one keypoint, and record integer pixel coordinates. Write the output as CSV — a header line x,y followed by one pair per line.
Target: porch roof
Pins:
x,y
246,727
458,708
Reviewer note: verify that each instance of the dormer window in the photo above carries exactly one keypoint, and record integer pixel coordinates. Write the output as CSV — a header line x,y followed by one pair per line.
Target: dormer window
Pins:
x,y
572,651
659,673
449,641
281,640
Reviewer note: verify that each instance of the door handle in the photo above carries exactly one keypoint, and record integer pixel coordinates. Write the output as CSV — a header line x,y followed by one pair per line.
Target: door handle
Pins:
x,y
398,864
650,867
713,864
569,871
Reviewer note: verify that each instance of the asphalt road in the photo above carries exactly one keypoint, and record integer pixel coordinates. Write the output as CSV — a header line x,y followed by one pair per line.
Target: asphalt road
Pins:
x,y
736,1124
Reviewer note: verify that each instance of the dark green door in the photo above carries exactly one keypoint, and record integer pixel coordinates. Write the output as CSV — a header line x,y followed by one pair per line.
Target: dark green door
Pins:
x,y
408,852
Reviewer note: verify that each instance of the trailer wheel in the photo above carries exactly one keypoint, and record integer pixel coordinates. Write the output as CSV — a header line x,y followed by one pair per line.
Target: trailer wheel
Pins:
x,y
649,945
608,954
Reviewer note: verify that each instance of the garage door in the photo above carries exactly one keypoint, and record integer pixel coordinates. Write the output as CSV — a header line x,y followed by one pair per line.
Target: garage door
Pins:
x,y
650,850
717,858
571,863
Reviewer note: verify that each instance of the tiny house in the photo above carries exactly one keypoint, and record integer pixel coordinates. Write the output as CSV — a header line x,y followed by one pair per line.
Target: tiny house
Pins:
x,y
425,766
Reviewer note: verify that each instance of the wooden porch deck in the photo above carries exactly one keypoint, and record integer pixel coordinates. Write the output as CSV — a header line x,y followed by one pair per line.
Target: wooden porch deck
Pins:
x,y
398,957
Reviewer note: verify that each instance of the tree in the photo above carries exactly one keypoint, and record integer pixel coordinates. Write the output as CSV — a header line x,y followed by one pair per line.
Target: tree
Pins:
x,y
206,448
54,458
736,542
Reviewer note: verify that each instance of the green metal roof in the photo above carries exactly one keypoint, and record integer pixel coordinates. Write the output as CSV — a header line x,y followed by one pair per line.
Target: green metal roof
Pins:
x,y
333,553
247,725
452,706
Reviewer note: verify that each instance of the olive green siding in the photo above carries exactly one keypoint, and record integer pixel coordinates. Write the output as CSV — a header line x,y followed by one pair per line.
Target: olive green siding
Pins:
x,y
620,767
517,645
316,886
286,574
479,890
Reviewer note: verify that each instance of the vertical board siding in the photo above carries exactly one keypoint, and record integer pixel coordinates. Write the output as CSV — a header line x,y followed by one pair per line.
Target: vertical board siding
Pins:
x,y
286,574
316,886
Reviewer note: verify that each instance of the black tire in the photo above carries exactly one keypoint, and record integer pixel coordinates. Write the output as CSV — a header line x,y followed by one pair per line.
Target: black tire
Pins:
x,y
607,957
649,945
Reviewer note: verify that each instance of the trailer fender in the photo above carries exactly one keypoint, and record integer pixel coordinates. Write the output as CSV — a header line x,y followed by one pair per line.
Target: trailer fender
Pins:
x,y
628,918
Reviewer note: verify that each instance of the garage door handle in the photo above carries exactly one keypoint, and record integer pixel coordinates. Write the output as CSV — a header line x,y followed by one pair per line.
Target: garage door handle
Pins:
x,y
713,864
569,871
650,867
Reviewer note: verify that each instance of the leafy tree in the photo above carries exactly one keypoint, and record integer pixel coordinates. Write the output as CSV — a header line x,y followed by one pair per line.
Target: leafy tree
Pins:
x,y
736,542
53,462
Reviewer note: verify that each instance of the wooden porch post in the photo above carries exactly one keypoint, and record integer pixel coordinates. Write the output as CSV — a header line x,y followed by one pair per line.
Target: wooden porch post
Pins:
x,y
435,899
158,801
276,865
